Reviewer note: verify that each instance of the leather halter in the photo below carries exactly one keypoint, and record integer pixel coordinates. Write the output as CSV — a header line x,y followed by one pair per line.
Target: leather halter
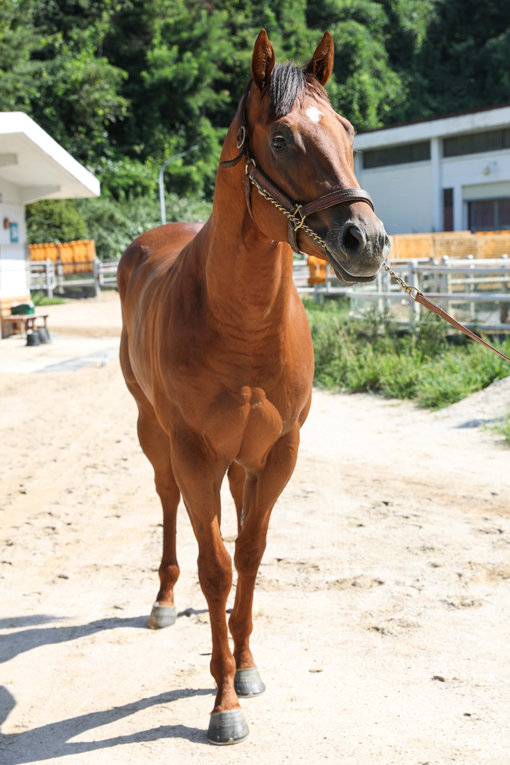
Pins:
x,y
296,212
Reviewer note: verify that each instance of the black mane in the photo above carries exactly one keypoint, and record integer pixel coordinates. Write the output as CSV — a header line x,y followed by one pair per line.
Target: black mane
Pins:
x,y
289,83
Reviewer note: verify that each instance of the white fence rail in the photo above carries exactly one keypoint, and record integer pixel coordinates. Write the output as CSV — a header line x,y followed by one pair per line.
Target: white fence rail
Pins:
x,y
475,291
51,277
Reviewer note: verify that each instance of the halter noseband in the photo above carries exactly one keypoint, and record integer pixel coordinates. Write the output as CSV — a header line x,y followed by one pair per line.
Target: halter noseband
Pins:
x,y
296,212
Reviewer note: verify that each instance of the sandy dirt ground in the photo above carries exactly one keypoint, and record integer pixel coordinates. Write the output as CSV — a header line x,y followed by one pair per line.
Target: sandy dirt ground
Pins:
x,y
382,627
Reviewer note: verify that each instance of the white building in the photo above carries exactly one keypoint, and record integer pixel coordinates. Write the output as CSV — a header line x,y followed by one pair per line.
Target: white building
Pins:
x,y
32,166
449,173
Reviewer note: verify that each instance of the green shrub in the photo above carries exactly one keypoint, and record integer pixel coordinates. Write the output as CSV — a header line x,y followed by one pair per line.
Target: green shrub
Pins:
x,y
373,354
54,220
113,224
40,299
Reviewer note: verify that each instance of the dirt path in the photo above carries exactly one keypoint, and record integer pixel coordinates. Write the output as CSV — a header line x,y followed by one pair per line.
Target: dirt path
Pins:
x,y
382,627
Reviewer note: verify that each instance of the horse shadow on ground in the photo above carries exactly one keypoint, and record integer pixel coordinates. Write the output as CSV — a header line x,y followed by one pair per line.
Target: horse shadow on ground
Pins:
x,y
21,641
52,741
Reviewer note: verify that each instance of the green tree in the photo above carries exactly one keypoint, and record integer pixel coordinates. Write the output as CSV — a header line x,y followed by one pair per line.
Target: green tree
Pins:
x,y
365,87
18,41
78,89
463,62
125,84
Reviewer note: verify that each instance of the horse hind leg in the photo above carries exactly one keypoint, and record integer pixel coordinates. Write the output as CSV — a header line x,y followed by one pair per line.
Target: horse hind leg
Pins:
x,y
155,444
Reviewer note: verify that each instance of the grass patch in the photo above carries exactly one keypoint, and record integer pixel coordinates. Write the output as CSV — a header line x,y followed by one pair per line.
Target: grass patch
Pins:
x,y
40,299
503,428
374,354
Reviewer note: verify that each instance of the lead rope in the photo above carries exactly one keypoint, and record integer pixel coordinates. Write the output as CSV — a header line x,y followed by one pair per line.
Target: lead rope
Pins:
x,y
418,297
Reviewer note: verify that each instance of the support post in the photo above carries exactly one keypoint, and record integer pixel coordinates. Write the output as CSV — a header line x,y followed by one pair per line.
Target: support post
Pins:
x,y
162,208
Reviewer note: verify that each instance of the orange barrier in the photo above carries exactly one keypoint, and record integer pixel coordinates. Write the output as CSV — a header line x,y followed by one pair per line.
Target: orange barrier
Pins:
x,y
76,257
317,270
454,244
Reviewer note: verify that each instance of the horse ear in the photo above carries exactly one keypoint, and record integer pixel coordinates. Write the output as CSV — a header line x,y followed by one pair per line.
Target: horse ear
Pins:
x,y
321,64
262,61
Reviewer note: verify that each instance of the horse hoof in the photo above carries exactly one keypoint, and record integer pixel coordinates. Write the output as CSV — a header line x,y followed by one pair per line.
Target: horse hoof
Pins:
x,y
247,682
161,616
227,727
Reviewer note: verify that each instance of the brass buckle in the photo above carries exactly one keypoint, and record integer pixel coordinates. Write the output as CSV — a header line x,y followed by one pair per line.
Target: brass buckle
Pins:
x,y
298,218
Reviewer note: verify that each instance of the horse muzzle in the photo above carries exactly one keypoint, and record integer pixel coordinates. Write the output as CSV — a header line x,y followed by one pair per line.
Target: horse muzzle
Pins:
x,y
357,250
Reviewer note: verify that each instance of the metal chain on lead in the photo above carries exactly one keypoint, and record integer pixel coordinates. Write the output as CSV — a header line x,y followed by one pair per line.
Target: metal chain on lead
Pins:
x,y
406,287
298,221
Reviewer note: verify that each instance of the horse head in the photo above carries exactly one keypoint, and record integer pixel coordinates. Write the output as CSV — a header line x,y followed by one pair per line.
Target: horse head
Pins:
x,y
299,157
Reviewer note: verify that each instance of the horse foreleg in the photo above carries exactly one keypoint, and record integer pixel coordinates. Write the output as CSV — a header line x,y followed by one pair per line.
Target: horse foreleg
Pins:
x,y
156,446
261,491
199,475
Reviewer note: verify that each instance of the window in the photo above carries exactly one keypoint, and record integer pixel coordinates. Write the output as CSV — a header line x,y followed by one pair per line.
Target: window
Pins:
x,y
397,155
489,214
447,209
473,143
504,213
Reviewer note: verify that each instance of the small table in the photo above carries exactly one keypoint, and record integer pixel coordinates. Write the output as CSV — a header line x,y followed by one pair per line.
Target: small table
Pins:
x,y
24,323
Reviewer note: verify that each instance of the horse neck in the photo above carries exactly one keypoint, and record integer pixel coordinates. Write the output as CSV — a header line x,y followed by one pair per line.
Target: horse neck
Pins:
x,y
248,275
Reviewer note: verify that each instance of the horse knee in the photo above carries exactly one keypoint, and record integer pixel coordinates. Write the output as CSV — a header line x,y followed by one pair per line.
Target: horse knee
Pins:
x,y
215,575
247,558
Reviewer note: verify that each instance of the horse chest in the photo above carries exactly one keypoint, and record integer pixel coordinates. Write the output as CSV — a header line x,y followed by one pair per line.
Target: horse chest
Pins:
x,y
243,425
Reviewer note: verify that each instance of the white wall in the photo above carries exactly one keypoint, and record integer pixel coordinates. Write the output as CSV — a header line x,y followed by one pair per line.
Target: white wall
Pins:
x,y
402,196
13,255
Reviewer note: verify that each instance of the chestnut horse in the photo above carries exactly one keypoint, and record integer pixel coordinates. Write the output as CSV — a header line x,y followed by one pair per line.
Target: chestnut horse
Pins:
x,y
216,347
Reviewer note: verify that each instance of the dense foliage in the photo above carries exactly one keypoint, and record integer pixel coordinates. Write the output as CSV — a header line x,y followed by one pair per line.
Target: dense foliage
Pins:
x,y
124,84
374,354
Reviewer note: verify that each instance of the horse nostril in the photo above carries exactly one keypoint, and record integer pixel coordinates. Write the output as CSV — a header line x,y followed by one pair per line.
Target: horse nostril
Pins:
x,y
352,239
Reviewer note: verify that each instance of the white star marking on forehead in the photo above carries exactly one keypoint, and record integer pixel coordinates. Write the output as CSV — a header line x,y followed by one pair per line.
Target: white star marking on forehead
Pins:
x,y
314,114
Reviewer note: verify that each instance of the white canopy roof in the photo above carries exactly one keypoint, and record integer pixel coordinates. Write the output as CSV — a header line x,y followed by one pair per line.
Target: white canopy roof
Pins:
x,y
32,160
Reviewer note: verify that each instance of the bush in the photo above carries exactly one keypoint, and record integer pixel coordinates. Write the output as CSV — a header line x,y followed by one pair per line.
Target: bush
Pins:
x,y
54,220
113,224
374,354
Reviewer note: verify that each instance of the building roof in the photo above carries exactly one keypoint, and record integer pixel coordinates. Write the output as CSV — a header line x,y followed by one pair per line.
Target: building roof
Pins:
x,y
435,127
34,161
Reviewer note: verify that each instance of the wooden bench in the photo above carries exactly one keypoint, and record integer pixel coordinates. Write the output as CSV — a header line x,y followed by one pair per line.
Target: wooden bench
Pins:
x,y
24,323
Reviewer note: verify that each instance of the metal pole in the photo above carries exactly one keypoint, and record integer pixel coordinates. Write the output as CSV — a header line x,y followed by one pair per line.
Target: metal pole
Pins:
x,y
161,184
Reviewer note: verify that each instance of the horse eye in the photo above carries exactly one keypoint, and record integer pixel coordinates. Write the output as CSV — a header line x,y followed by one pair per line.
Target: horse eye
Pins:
x,y
278,142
